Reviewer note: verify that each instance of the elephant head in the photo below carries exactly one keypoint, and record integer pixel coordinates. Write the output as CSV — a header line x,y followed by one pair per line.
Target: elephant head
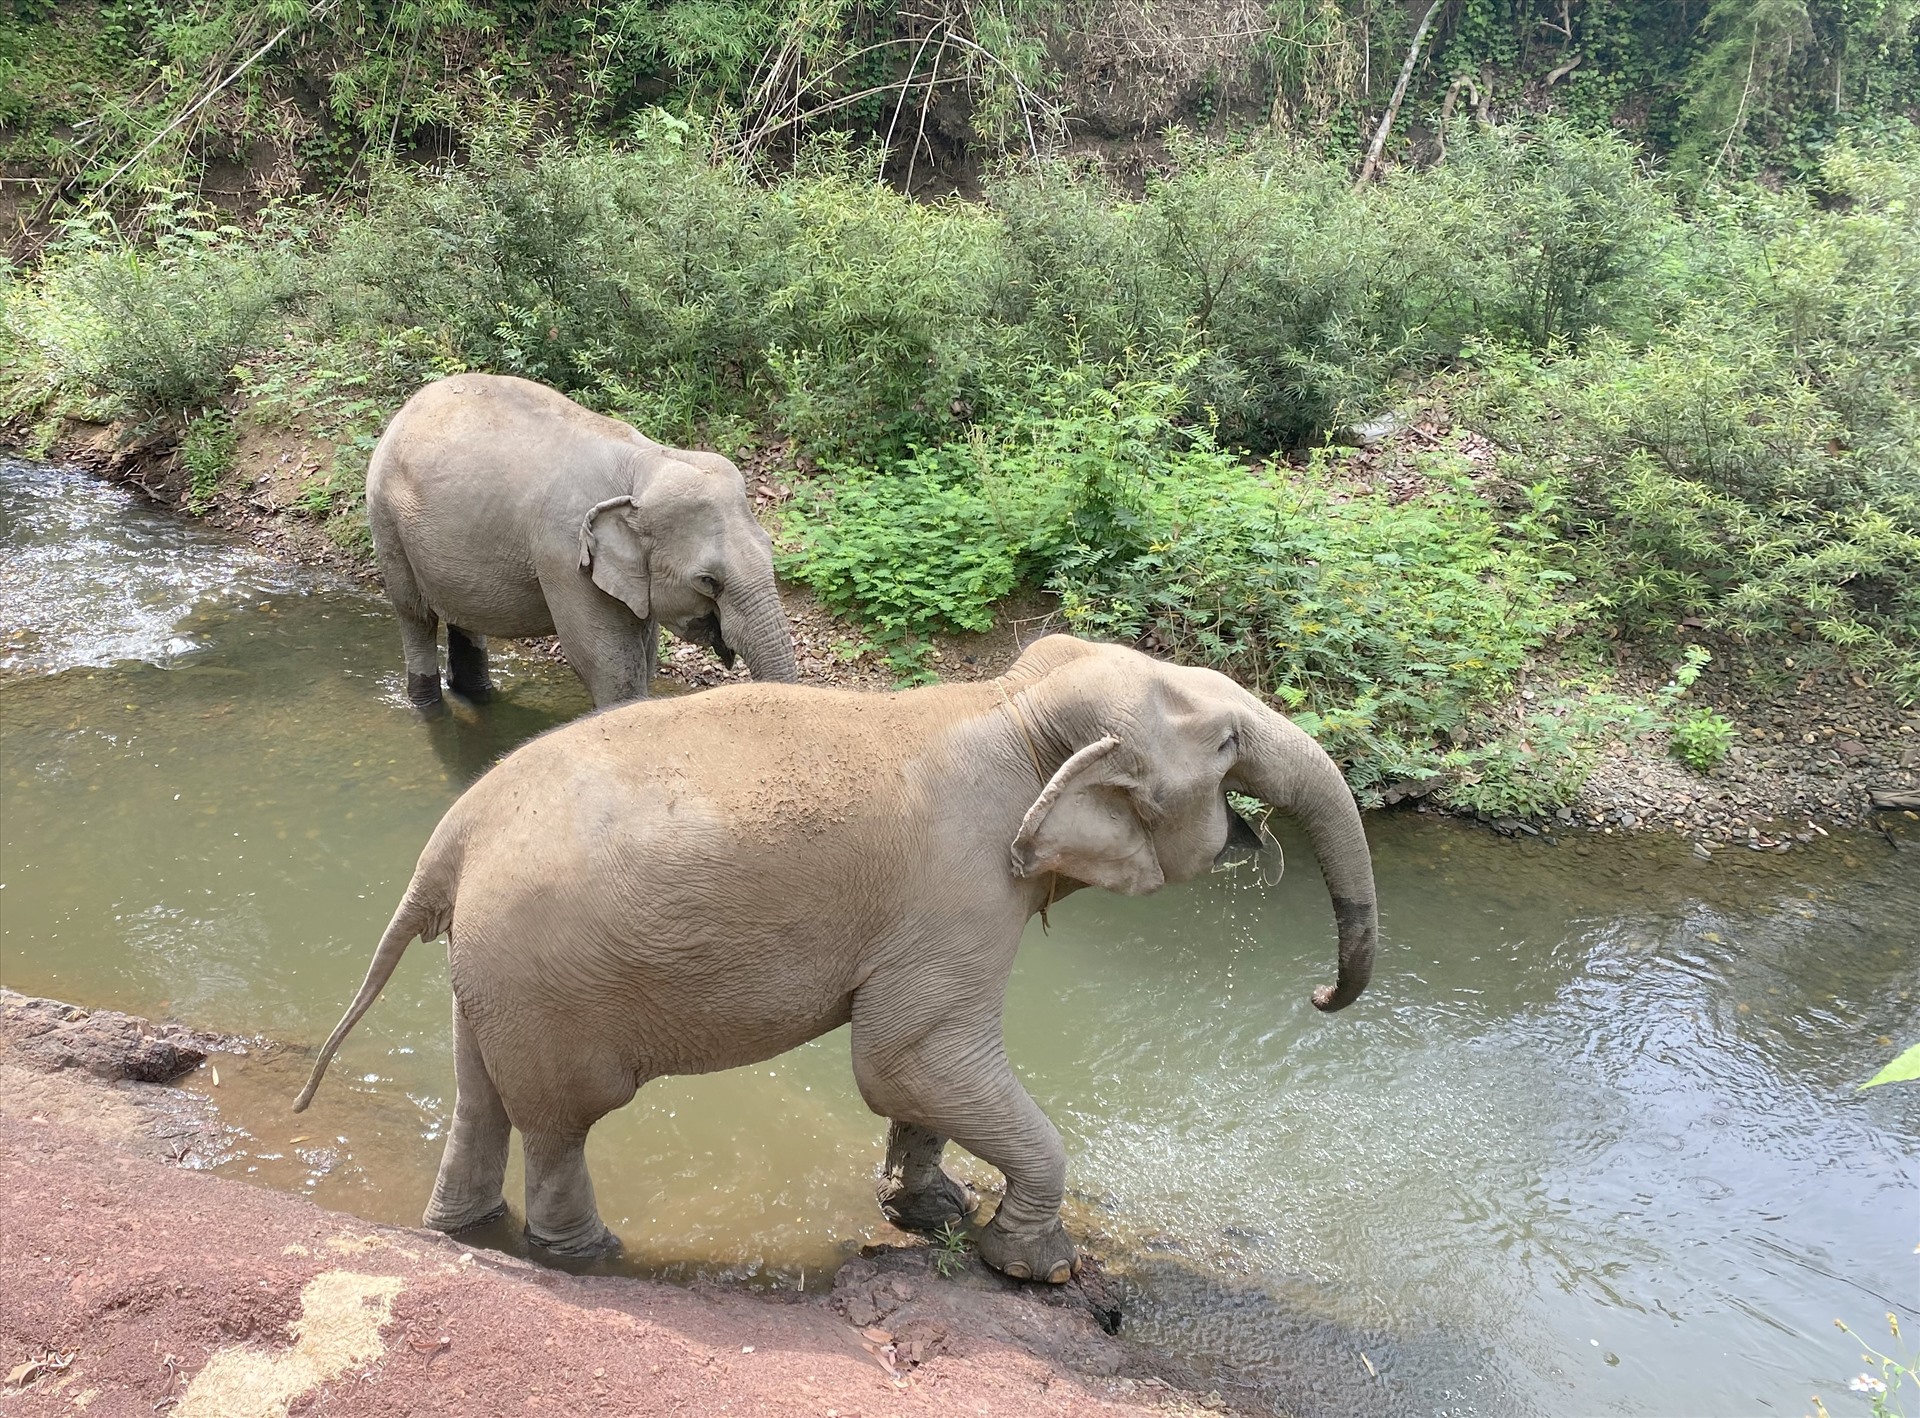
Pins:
x,y
683,549
1146,754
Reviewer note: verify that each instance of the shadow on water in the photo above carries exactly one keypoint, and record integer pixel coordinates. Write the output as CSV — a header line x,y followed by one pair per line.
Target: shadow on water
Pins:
x,y
1589,1145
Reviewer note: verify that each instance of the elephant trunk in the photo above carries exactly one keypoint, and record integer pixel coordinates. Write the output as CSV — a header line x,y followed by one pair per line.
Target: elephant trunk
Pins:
x,y
753,622
1292,773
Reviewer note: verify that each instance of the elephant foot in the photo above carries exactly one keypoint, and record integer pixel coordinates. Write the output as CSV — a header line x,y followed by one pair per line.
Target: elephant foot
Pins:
x,y
589,1245
473,691
1045,1255
948,1202
454,1222
423,693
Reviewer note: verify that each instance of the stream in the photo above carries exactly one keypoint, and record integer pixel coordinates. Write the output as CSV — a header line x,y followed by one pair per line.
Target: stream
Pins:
x,y
1591,1143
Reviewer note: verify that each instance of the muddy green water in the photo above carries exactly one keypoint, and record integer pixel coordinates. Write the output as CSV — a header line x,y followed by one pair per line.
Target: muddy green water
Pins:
x,y
1590,1144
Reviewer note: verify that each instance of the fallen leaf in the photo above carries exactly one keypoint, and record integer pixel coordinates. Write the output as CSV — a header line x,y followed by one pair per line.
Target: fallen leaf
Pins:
x,y
877,1335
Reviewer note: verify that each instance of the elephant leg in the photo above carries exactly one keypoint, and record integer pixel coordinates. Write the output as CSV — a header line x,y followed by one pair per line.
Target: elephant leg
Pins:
x,y
561,1214
609,647
418,641
467,665
916,1193
953,1080
468,1190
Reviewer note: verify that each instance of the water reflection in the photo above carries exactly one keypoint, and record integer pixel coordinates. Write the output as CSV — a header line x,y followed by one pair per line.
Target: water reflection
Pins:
x,y
1589,1145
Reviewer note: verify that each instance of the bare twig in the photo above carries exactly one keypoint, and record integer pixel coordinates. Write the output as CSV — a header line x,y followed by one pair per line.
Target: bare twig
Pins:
x,y
906,87
926,105
1379,143
1740,114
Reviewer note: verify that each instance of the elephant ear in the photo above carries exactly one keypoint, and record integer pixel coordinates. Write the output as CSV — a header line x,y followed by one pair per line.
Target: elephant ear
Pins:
x,y
616,550
1087,824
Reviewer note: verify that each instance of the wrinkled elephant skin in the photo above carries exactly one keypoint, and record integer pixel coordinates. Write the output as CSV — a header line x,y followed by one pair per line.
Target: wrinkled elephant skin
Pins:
x,y
705,882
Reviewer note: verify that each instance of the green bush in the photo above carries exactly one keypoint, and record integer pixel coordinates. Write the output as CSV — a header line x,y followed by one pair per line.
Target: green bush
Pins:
x,y
1382,623
1702,738
206,452
1755,466
159,330
678,291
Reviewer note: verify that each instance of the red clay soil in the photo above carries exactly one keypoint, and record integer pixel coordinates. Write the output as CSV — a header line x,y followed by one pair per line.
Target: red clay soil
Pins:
x,y
129,1287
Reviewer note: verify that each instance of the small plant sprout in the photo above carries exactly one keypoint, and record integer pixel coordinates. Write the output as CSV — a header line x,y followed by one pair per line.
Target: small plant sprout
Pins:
x,y
950,1245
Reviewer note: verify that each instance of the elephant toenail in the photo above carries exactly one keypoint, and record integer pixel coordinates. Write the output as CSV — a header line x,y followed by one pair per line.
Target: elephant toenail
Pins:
x,y
1018,1270
1058,1275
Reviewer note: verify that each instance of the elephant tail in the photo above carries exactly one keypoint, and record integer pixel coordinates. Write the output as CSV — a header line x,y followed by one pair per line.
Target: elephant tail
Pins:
x,y
419,915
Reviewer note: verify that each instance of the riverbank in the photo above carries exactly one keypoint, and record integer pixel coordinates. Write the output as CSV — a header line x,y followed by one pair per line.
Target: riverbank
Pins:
x,y
1813,747
136,1284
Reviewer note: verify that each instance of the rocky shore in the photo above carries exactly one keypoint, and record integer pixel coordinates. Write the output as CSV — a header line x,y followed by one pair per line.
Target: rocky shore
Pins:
x,y
132,1285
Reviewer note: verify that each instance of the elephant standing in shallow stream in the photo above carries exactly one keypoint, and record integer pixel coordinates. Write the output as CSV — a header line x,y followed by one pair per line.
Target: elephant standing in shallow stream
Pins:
x,y
502,507
704,882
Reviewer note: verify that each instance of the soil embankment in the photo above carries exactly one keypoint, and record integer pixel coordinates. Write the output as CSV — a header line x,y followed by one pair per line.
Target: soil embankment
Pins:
x,y
133,1287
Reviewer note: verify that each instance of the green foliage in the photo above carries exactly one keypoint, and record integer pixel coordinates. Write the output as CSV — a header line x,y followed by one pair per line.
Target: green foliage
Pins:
x,y
1701,739
1540,765
853,314
1904,1069
158,329
1732,83
1381,623
1529,772
909,552
950,1246
1707,412
206,452
1753,468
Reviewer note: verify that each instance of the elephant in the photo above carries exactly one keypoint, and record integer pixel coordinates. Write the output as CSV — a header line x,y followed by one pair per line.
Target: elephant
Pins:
x,y
701,883
504,508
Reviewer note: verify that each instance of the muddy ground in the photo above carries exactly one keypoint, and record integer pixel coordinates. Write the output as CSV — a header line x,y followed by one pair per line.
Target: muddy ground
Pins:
x,y
130,1285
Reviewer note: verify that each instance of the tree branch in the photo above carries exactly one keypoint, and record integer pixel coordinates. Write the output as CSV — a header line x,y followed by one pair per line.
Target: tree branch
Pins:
x,y
1379,143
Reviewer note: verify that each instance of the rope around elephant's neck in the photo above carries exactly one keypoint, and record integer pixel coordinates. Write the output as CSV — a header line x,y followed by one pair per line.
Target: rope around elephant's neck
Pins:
x,y
1033,756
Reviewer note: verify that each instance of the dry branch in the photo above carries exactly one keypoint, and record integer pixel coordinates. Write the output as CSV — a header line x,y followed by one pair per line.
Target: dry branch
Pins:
x,y
1379,143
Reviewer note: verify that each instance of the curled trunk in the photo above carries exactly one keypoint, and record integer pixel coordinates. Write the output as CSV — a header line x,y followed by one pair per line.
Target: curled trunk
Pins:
x,y
1284,766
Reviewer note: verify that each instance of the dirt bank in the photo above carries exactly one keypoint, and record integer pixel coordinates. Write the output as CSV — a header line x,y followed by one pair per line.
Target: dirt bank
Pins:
x,y
133,1286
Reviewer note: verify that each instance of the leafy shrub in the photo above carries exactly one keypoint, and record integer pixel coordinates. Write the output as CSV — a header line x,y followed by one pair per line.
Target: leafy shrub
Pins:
x,y
1702,738
1540,764
1383,623
680,290
159,330
1756,467
1529,772
206,452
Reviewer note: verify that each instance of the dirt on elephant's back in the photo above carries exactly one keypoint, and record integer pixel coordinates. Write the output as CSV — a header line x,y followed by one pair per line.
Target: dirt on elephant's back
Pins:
x,y
131,1287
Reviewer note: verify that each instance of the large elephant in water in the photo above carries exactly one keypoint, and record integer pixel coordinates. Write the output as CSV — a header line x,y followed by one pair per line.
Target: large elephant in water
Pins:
x,y
704,882
504,508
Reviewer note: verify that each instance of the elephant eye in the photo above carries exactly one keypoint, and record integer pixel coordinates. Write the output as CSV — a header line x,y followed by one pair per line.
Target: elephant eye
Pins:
x,y
1232,741
707,584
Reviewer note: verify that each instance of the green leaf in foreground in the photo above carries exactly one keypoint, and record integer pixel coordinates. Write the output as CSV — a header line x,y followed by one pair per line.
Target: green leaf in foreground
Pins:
x,y
1905,1069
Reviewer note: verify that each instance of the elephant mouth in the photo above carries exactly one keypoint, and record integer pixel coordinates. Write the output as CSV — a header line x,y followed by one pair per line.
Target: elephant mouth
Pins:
x,y
1243,843
706,631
